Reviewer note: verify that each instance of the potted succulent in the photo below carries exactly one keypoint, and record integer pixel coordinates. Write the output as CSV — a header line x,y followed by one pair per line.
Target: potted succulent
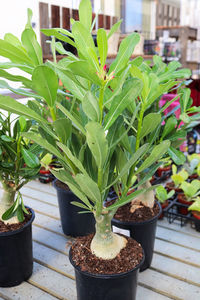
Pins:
x,y
193,166
190,192
162,196
45,175
19,164
195,208
177,179
96,148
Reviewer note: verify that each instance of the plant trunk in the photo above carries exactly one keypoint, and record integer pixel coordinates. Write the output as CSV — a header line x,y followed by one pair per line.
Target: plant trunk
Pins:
x,y
106,244
147,198
6,201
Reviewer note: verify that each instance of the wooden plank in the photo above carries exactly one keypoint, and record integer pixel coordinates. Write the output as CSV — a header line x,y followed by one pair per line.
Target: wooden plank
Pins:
x,y
48,223
44,23
186,230
42,207
168,286
177,253
53,282
55,16
50,239
36,184
24,291
178,238
66,18
108,20
50,199
52,258
176,269
144,293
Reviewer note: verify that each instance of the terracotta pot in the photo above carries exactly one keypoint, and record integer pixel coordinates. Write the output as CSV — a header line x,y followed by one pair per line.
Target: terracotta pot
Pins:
x,y
163,205
163,171
182,199
170,186
196,215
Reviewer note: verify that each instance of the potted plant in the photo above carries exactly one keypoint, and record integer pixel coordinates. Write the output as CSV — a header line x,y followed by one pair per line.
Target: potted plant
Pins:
x,y
164,169
195,208
162,196
19,164
45,175
177,179
193,166
190,192
151,125
93,150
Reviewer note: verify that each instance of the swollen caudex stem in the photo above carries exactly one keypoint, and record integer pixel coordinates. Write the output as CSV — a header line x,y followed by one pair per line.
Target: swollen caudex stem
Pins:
x,y
146,198
6,201
105,243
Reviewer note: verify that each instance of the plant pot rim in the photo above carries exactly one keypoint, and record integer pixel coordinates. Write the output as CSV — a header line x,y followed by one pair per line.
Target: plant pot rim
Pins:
x,y
195,215
129,223
105,276
9,233
59,188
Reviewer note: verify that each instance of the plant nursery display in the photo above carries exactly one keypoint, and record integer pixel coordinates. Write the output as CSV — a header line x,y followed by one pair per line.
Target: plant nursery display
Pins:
x,y
195,208
162,196
190,193
19,164
108,133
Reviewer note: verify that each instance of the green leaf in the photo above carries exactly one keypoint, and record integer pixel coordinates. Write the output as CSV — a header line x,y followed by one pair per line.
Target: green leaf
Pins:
x,y
32,46
22,123
45,83
75,122
97,142
63,128
120,102
83,39
157,153
11,105
9,213
7,139
85,70
13,53
169,126
168,103
70,81
185,118
78,204
177,156
114,28
16,78
61,34
91,107
85,13
30,158
20,214
150,123
89,187
125,51
102,45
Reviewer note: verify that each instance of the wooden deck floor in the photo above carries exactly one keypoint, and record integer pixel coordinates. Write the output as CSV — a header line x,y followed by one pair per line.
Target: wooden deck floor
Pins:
x,y
174,274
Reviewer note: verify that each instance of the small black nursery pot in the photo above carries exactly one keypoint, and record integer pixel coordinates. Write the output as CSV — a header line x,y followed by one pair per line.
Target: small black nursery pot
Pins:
x,y
16,255
144,233
73,223
106,287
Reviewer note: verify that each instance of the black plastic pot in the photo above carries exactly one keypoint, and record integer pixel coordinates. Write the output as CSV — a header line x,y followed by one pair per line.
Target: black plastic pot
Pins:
x,y
16,255
144,233
73,223
106,287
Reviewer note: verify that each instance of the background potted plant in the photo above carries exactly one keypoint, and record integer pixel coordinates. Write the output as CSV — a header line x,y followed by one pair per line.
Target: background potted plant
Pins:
x,y
195,208
190,192
162,196
177,179
193,166
153,126
19,164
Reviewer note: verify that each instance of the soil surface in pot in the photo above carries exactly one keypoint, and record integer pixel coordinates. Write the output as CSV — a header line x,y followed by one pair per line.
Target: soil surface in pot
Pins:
x,y
62,185
128,258
140,214
12,227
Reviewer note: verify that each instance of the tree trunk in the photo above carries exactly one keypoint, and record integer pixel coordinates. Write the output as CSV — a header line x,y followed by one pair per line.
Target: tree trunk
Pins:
x,y
106,244
6,201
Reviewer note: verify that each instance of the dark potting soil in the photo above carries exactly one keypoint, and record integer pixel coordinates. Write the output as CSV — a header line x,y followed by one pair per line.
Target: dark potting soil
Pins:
x,y
141,214
128,258
62,185
12,227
